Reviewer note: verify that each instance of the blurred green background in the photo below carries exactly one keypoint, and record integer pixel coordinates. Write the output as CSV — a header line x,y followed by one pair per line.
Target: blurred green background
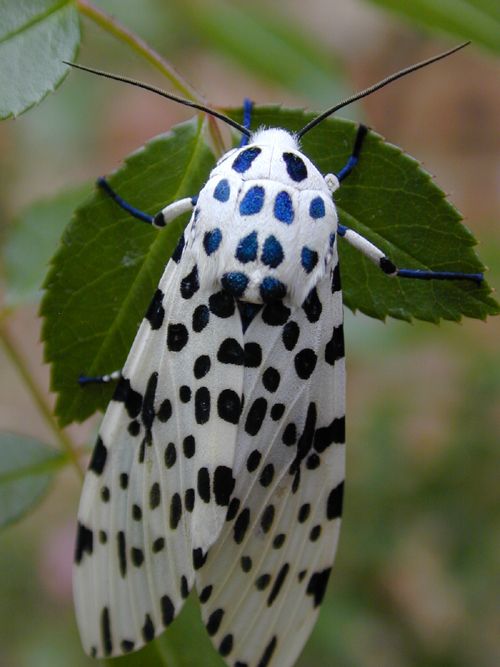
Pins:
x,y
416,576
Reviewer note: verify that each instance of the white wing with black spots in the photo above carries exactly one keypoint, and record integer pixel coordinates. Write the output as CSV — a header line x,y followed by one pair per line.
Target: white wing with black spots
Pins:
x,y
160,478
265,577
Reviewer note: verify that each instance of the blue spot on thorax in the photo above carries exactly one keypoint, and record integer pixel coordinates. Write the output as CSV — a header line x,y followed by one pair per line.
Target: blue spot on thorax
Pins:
x,y
212,240
243,160
235,282
253,201
317,208
222,190
295,167
283,208
308,258
272,289
272,253
247,248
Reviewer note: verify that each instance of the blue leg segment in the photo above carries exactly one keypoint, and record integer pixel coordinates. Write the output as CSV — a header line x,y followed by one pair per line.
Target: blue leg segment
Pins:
x,y
99,379
354,159
247,119
439,275
140,215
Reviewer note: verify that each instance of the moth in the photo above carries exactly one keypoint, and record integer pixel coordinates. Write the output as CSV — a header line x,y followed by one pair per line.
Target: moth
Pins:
x,y
219,464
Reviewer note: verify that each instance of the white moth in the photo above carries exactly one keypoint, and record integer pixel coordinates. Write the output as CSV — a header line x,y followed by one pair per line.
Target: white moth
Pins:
x,y
220,460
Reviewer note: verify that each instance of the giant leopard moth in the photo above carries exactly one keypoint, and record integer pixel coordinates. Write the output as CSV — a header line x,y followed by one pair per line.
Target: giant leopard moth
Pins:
x,y
220,460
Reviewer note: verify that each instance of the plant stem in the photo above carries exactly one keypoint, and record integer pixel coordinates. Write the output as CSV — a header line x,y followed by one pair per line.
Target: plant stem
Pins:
x,y
19,363
118,30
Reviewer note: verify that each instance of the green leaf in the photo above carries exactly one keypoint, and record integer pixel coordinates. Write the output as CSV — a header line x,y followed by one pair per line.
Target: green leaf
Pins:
x,y
109,265
392,201
26,469
267,44
106,272
35,37
477,20
32,240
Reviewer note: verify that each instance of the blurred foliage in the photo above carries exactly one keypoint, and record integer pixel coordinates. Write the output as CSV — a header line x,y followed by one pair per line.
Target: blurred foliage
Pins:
x,y
477,20
412,584
35,37
26,469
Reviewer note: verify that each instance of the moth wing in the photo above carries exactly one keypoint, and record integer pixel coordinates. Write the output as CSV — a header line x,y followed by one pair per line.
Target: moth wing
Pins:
x,y
156,493
265,577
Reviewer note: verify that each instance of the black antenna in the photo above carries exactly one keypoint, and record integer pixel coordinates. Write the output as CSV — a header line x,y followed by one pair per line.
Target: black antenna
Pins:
x,y
377,86
163,93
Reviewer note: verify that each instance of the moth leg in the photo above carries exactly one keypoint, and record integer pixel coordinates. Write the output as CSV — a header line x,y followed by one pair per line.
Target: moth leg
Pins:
x,y
354,159
160,219
99,379
388,267
247,119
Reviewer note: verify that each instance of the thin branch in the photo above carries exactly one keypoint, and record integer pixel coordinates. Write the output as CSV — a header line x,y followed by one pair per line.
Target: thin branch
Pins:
x,y
118,30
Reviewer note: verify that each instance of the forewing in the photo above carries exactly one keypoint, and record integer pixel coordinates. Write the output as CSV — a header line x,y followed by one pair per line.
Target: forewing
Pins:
x,y
264,579
160,478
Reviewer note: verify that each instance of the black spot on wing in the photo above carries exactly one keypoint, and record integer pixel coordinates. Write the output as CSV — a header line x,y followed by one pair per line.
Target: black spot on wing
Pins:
x,y
229,406
230,352
148,410
155,313
202,405
334,502
204,484
177,254
223,485
148,629
316,586
214,621
256,416
268,653
190,284
336,286
226,645
122,553
154,496
278,583
253,355
334,349
205,594
177,337
99,456
305,363
241,525
333,433
201,315
167,611
131,398
199,558
84,542
221,304
312,306
107,643
275,313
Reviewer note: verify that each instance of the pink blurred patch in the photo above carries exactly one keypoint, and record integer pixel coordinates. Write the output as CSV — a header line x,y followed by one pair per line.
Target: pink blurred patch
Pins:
x,y
55,563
